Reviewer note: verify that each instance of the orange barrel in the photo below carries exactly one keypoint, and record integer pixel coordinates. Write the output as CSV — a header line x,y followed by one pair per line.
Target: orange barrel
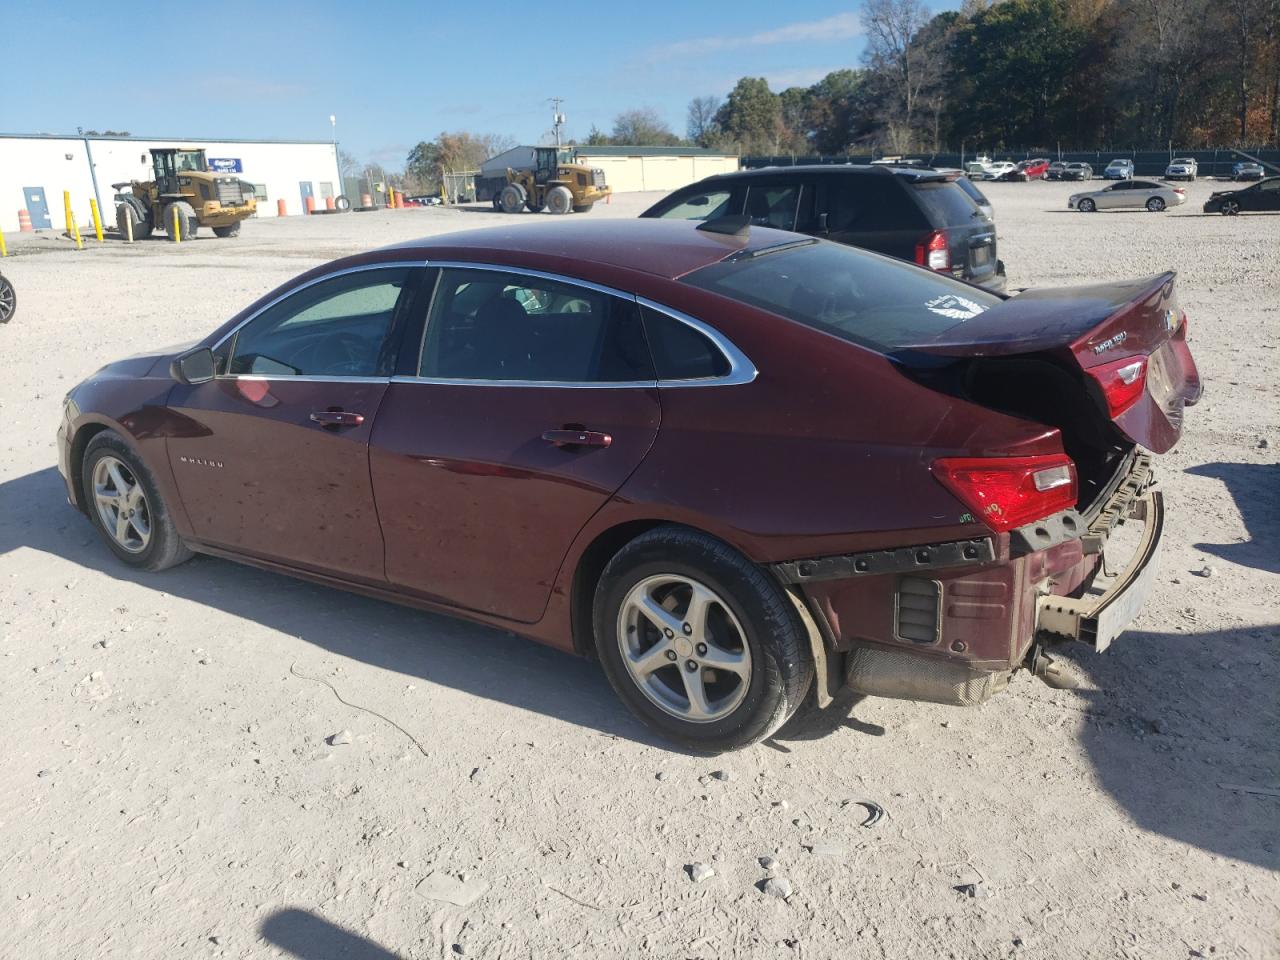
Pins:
x,y
366,201
311,204
24,221
328,203
281,209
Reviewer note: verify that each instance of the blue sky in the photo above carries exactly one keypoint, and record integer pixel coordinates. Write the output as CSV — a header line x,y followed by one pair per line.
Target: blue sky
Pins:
x,y
395,73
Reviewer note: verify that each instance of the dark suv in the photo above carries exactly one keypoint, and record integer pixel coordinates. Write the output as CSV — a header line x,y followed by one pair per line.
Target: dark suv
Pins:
x,y
915,214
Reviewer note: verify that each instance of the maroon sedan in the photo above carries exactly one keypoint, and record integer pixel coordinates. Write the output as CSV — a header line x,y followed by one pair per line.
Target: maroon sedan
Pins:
x,y
739,466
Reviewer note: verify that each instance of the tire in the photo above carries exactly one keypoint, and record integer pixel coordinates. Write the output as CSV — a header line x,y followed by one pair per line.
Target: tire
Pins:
x,y
583,207
512,198
231,231
749,621
186,219
1155,205
1086,206
1230,208
559,200
8,301
133,209
153,545
342,203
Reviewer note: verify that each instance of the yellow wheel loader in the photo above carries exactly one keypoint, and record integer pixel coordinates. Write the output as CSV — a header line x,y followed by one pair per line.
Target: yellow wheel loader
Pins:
x,y
551,185
184,196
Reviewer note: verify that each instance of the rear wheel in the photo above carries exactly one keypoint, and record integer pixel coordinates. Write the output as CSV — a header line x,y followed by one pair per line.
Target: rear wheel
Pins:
x,y
124,504
698,641
1230,208
559,200
512,198
1155,204
1087,206
231,231
8,301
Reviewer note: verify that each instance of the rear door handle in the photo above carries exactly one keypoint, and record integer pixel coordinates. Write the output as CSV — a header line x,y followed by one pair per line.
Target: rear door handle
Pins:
x,y
337,418
577,438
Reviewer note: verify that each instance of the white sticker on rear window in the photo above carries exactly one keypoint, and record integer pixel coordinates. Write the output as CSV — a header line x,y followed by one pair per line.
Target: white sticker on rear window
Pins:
x,y
953,307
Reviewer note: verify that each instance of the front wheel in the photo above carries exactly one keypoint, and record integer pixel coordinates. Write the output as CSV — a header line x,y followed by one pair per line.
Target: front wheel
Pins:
x,y
8,301
1155,204
1230,208
124,504
1087,206
698,641
512,198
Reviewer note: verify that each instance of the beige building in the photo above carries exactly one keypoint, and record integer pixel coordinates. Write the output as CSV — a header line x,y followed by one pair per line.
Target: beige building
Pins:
x,y
628,169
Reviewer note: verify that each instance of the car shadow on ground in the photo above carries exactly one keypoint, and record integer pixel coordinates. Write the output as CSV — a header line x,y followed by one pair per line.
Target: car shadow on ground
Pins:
x,y
1174,716
482,661
302,934
1254,488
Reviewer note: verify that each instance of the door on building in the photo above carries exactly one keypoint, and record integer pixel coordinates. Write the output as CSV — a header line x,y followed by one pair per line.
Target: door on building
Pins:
x,y
304,187
38,207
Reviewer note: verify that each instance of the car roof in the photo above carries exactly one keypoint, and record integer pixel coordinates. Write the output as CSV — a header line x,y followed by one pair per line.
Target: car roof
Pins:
x,y
914,172
664,248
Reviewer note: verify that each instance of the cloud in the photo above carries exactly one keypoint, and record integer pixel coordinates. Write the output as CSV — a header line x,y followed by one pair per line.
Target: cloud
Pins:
x,y
842,26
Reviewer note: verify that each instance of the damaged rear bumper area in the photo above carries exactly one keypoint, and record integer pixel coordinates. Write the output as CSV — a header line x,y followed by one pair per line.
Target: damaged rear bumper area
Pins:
x,y
950,623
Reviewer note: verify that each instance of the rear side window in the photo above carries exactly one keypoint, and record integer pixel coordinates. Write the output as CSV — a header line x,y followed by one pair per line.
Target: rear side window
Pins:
x,y
679,351
948,205
874,301
498,326
870,203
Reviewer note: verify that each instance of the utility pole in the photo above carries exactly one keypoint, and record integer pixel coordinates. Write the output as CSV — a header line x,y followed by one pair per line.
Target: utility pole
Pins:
x,y
557,118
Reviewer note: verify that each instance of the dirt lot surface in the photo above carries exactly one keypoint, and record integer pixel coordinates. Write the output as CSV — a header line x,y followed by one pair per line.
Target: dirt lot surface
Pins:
x,y
170,791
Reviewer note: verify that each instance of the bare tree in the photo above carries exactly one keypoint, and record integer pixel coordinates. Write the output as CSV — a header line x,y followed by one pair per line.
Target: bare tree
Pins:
x,y
892,27
348,164
642,126
702,126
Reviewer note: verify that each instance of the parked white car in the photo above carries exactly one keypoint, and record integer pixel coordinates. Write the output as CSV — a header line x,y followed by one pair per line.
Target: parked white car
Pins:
x,y
1152,194
1181,168
996,169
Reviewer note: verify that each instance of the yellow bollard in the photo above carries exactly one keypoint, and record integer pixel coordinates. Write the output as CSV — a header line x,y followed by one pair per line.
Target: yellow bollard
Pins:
x,y
128,229
97,220
177,229
75,232
66,208
4,251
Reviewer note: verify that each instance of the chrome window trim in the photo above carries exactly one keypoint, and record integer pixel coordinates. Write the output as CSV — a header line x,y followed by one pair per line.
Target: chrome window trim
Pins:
x,y
391,265
741,369
302,378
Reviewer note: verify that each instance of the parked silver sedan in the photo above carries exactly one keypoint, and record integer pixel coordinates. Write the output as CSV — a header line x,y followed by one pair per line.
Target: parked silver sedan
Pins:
x,y
1152,194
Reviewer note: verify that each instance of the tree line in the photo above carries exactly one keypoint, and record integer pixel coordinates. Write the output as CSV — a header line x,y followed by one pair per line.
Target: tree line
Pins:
x,y
1003,74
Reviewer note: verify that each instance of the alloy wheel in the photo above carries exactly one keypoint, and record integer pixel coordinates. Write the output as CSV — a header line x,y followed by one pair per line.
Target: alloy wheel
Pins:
x,y
684,648
122,504
1230,208
8,300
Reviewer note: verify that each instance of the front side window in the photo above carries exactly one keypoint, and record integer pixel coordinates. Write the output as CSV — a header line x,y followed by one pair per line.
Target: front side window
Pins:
x,y
499,326
773,206
703,205
334,328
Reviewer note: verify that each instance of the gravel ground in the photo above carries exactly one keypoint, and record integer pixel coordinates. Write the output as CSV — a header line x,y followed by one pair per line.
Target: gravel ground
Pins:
x,y
171,791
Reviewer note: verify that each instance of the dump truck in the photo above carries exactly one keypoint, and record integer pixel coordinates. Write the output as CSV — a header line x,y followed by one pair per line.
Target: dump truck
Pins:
x,y
552,184
185,195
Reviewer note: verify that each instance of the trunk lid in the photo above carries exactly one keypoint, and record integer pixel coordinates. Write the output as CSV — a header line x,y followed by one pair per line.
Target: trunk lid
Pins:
x,y
1106,331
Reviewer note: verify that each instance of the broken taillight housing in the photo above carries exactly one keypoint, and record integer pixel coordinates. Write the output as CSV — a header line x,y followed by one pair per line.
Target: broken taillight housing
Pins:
x,y
1007,492
1122,382
933,252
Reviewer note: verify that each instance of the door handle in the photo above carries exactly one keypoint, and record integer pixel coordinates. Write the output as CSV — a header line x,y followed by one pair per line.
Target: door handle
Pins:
x,y
577,438
337,418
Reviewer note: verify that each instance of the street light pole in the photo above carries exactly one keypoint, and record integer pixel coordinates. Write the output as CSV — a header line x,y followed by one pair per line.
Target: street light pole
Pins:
x,y
337,165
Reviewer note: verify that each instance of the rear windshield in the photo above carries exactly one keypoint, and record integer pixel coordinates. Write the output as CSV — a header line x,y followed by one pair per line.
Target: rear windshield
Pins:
x,y
946,203
874,301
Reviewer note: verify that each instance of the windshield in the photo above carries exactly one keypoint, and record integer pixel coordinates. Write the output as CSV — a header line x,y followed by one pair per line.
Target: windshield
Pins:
x,y
874,301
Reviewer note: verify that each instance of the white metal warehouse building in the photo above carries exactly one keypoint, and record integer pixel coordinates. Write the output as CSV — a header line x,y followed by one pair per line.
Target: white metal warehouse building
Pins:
x,y
36,168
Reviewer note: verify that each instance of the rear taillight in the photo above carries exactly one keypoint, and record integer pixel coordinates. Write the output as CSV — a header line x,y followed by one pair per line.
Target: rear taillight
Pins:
x,y
1179,190
1007,492
932,251
1122,382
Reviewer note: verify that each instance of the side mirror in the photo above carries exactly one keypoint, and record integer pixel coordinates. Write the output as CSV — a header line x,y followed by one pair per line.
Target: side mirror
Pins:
x,y
194,366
